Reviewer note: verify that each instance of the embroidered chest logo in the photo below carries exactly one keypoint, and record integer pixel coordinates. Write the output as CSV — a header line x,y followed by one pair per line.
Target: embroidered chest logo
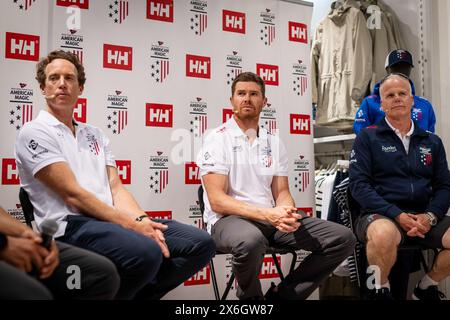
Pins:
x,y
425,155
389,149
94,147
266,157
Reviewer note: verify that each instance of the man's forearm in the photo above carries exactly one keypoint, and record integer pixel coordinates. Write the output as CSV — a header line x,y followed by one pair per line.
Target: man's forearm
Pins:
x,y
88,204
125,202
284,199
225,205
10,226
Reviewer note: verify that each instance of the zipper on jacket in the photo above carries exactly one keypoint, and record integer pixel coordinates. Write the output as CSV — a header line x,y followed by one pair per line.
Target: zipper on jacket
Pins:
x,y
411,182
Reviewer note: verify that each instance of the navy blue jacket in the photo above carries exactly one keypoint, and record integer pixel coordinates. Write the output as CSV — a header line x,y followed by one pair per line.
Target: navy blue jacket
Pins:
x,y
385,179
370,111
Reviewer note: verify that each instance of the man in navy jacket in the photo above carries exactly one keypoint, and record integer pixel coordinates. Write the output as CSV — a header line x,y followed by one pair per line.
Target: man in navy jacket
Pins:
x,y
370,112
399,176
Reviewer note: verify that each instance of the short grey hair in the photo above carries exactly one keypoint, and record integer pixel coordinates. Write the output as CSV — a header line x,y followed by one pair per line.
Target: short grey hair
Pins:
x,y
396,75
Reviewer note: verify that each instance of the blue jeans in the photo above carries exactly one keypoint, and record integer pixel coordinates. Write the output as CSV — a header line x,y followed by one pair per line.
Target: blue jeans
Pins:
x,y
144,272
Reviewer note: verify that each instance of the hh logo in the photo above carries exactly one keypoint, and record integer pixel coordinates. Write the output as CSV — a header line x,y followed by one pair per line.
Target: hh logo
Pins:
x,y
308,211
201,277
161,10
268,73
191,173
198,66
9,172
82,4
22,46
268,269
158,115
79,113
160,214
300,124
233,21
298,32
226,115
124,170
117,57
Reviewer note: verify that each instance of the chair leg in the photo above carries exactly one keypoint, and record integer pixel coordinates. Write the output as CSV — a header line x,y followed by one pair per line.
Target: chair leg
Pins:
x,y
294,260
277,265
229,284
214,280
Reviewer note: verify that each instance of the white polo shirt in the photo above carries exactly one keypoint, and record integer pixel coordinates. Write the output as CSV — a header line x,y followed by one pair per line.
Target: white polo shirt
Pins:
x,y
250,168
46,140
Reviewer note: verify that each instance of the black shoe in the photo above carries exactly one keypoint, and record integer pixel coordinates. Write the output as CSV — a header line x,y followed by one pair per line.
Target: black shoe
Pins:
x,y
271,294
381,294
430,293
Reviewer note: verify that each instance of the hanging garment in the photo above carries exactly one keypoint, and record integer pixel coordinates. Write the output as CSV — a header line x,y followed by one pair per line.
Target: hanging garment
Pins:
x,y
385,34
341,58
340,195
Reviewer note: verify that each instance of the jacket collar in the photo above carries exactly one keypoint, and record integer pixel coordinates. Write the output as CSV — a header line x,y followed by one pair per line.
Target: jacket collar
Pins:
x,y
383,127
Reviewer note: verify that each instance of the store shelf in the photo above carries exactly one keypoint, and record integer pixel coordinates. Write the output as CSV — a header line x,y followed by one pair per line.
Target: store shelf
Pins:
x,y
337,138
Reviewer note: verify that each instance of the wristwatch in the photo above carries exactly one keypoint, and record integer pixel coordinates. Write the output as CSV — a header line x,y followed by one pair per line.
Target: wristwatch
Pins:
x,y
432,218
140,218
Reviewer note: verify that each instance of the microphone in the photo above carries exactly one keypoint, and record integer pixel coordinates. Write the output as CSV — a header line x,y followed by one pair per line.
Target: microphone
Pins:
x,y
52,96
236,111
48,229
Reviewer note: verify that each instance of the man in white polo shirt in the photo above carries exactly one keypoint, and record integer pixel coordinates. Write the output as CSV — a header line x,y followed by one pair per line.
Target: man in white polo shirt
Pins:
x,y
70,174
248,206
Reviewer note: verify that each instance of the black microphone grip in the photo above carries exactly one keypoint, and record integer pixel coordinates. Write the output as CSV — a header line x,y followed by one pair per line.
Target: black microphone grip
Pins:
x,y
48,229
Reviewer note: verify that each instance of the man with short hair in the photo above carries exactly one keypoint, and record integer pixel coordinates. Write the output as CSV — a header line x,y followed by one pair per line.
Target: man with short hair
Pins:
x,y
248,205
70,174
399,176
370,112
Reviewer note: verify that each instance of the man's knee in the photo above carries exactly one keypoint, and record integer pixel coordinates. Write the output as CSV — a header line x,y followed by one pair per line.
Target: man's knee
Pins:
x,y
383,233
250,244
107,278
348,240
144,258
344,240
207,245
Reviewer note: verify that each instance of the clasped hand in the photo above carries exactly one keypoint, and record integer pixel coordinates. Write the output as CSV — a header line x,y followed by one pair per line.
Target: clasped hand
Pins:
x,y
154,230
284,218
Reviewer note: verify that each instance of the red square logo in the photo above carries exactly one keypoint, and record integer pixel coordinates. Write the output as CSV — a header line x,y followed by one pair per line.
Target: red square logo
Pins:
x,y
158,115
161,10
198,66
308,210
160,214
82,4
298,32
124,170
226,114
117,57
269,73
191,173
79,113
268,268
22,46
300,124
200,278
10,176
233,21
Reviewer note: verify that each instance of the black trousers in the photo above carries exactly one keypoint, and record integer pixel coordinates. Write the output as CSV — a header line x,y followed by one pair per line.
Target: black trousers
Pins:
x,y
97,278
